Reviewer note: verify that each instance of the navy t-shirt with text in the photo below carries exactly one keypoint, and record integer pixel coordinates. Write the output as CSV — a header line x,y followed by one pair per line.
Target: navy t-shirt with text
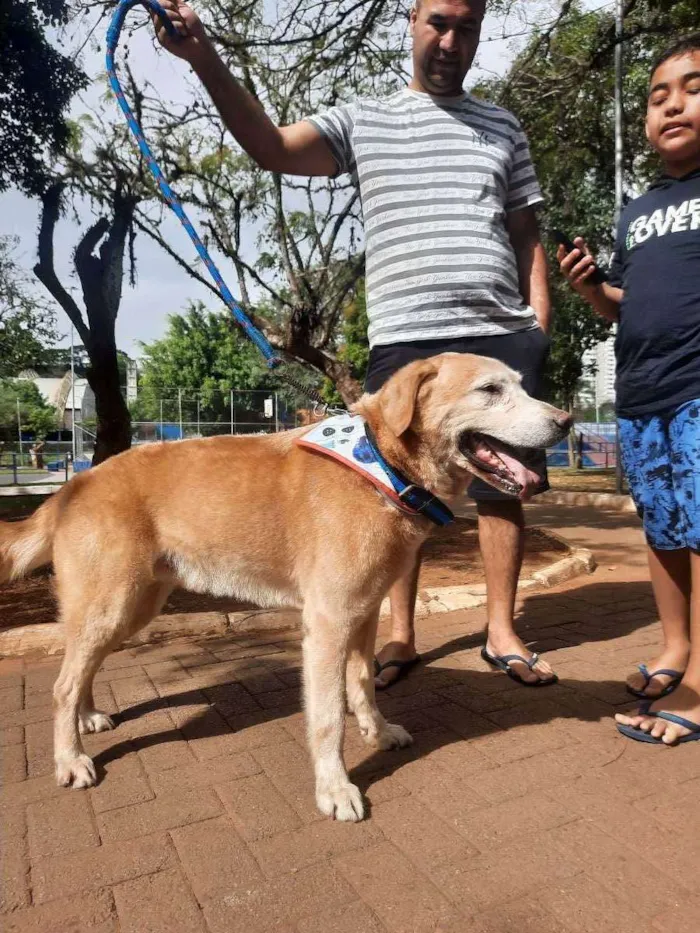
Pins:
x,y
657,264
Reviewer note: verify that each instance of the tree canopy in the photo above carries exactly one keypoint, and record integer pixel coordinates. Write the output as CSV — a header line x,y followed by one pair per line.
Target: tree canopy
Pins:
x,y
202,353
36,416
27,324
202,357
37,83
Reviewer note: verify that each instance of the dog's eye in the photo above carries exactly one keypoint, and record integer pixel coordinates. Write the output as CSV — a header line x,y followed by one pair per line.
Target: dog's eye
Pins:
x,y
491,389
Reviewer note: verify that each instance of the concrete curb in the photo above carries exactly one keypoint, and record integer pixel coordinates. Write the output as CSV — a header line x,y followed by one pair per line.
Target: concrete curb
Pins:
x,y
449,598
49,639
597,500
34,489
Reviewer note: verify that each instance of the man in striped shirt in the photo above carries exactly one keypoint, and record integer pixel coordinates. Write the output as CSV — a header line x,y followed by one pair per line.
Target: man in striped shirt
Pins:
x,y
454,260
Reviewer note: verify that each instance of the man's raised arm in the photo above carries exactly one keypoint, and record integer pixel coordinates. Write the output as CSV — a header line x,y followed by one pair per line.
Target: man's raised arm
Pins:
x,y
298,149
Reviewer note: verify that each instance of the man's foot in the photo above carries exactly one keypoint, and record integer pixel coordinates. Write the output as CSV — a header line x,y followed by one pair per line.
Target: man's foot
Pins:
x,y
393,651
541,671
673,659
684,702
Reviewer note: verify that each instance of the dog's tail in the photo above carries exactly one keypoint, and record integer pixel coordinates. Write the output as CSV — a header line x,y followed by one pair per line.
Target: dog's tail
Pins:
x,y
26,545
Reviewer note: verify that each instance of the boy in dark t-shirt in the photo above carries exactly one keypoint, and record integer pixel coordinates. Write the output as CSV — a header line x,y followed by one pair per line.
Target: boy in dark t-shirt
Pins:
x,y
654,293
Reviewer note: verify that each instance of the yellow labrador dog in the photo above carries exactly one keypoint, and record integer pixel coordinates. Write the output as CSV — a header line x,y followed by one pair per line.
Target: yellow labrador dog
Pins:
x,y
265,520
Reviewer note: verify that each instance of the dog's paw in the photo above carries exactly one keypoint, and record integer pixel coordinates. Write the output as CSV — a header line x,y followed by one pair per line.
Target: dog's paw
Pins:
x,y
78,772
393,736
341,803
94,721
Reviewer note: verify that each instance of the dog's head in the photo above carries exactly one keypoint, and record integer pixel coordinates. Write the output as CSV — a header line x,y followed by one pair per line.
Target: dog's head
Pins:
x,y
457,415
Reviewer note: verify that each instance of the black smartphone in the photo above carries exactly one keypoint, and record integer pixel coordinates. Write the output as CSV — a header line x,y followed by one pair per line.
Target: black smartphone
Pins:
x,y
598,276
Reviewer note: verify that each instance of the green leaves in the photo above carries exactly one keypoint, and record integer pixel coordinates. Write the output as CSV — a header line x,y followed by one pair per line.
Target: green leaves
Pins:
x,y
35,415
202,353
27,324
37,84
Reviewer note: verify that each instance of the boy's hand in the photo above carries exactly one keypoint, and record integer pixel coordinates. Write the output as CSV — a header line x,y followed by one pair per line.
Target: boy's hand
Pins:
x,y
577,266
192,37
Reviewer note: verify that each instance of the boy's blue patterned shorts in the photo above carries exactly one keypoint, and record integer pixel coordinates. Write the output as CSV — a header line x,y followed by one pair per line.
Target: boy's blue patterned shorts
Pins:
x,y
661,456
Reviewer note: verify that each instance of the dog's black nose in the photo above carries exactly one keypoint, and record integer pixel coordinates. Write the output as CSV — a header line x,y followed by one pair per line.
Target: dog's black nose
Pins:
x,y
563,420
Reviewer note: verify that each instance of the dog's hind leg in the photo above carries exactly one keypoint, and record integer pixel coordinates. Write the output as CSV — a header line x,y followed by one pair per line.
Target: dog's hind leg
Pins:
x,y
91,719
99,614
376,731
85,652
325,657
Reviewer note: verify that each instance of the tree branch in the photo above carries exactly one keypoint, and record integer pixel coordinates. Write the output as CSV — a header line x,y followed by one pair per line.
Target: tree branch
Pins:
x,y
44,269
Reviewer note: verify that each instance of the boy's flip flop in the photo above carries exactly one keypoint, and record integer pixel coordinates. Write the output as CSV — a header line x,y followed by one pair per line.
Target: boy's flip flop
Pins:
x,y
403,668
502,663
677,677
639,735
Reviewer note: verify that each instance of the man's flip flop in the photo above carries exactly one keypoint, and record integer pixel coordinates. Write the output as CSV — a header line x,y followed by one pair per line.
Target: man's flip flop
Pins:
x,y
403,668
677,677
639,735
502,663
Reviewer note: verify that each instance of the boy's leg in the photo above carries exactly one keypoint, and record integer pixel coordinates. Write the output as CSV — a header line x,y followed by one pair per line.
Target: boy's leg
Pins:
x,y
670,579
685,700
647,446
683,522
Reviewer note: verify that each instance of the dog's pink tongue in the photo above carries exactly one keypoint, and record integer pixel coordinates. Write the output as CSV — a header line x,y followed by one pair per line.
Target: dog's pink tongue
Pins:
x,y
529,479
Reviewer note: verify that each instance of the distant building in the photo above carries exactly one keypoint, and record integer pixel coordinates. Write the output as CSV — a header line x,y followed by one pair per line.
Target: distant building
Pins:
x,y
598,388
58,391
132,381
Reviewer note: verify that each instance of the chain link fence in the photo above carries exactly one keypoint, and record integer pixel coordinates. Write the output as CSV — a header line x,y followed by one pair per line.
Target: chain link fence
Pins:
x,y
176,416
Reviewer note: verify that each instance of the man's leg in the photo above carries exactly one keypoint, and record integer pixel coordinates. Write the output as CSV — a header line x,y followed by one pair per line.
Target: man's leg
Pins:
x,y
502,541
685,701
402,643
670,579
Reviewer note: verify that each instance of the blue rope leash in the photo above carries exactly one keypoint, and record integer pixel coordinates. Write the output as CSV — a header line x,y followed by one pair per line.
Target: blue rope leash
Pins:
x,y
272,359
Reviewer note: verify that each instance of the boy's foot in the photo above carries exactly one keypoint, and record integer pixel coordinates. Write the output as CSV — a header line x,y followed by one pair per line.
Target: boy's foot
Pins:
x,y
672,659
498,648
684,702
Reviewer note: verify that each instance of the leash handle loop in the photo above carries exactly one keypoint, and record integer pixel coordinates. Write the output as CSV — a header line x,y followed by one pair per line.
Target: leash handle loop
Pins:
x,y
271,357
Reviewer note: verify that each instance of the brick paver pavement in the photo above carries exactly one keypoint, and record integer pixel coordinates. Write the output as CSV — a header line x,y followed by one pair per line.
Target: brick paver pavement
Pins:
x,y
515,809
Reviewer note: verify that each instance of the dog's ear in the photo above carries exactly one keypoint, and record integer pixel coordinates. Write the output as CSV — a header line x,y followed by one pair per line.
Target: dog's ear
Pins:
x,y
397,399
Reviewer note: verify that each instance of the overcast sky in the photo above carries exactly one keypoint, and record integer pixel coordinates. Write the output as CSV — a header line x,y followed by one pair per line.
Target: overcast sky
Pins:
x,y
162,287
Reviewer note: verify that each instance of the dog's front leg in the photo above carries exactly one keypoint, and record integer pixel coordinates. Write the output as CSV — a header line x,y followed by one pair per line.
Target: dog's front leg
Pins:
x,y
325,658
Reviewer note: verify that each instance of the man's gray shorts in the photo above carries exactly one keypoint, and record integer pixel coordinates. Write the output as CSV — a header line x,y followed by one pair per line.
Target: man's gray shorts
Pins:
x,y
525,351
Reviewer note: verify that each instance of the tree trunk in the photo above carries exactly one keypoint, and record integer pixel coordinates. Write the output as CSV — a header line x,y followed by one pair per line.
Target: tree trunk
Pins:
x,y
572,436
113,419
99,262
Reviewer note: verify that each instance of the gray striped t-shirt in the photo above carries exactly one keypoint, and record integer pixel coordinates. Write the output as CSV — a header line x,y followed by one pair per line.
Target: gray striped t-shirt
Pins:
x,y
436,177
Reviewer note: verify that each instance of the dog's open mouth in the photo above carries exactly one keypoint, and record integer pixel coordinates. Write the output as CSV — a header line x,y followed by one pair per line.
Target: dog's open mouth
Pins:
x,y
509,469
